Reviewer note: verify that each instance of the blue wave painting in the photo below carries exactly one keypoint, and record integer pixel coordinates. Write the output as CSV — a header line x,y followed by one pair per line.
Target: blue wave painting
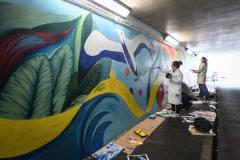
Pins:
x,y
88,131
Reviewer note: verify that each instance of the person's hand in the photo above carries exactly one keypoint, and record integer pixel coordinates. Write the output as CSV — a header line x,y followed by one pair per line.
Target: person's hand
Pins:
x,y
168,75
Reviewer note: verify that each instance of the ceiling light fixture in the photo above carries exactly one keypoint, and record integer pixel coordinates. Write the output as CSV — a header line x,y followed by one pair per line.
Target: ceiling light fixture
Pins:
x,y
189,51
171,40
114,6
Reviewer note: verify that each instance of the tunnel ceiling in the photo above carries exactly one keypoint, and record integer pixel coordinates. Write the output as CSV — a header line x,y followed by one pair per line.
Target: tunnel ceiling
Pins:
x,y
205,26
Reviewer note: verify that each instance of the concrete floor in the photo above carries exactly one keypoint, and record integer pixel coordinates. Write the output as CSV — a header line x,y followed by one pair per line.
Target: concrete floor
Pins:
x,y
228,139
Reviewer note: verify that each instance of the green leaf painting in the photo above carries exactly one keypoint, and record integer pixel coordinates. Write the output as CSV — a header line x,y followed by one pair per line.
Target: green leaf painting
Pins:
x,y
72,91
86,28
62,63
28,92
38,87
91,79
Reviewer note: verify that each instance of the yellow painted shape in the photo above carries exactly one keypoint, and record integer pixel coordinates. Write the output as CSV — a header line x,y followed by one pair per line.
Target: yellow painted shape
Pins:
x,y
113,85
153,94
18,137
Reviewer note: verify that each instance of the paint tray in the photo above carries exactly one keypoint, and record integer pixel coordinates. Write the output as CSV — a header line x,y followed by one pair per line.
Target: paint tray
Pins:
x,y
141,133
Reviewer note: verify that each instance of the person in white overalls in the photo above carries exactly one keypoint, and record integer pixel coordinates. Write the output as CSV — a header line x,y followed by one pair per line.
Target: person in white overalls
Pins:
x,y
175,77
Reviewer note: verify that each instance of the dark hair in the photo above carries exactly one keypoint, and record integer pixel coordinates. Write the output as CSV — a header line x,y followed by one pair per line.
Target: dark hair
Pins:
x,y
205,60
177,64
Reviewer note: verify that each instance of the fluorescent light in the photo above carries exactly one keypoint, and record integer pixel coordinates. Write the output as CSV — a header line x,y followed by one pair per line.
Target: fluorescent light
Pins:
x,y
171,40
189,51
114,6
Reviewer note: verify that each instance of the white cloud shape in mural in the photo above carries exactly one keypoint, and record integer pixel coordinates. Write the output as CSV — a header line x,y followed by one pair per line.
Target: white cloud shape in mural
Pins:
x,y
97,42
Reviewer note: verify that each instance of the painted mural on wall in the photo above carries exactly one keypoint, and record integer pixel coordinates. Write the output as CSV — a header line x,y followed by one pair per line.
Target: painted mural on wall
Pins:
x,y
72,81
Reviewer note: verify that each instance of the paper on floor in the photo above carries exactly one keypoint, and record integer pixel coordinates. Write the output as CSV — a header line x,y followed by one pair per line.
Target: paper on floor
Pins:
x,y
166,113
188,119
198,102
138,157
211,116
108,152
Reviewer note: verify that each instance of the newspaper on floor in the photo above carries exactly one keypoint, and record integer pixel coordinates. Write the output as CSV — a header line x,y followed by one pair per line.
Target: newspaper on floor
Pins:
x,y
211,116
195,132
108,152
212,102
165,113
138,157
188,119
212,106
198,102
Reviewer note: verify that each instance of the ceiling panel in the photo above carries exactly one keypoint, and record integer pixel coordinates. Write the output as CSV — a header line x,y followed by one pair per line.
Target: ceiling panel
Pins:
x,y
205,26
